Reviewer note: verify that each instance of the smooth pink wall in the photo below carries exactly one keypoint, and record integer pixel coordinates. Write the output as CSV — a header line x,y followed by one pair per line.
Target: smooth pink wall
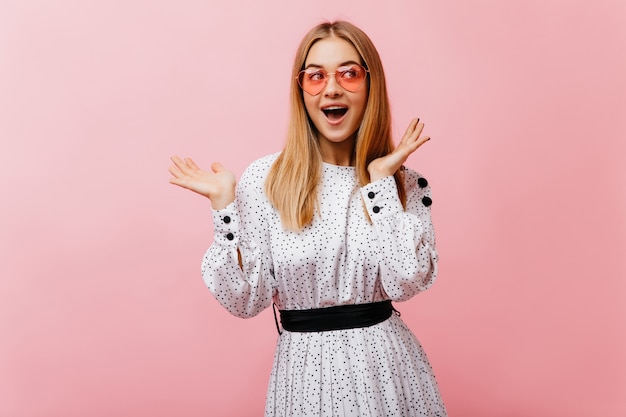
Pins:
x,y
103,311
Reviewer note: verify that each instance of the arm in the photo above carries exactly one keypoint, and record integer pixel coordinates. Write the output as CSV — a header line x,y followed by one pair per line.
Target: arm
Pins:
x,y
237,266
408,258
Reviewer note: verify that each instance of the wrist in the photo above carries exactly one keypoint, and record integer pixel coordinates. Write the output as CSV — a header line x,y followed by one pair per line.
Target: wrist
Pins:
x,y
378,175
222,202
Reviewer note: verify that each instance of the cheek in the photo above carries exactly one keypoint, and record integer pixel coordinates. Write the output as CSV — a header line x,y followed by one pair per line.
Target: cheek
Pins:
x,y
309,104
362,103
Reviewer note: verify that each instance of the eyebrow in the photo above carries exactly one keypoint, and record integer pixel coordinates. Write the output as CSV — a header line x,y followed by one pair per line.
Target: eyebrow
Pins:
x,y
340,65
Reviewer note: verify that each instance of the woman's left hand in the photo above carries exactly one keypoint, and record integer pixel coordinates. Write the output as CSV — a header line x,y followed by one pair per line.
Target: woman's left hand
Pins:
x,y
387,165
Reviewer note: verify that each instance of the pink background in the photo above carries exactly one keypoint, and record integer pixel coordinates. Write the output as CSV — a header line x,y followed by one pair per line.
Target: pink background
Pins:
x,y
103,311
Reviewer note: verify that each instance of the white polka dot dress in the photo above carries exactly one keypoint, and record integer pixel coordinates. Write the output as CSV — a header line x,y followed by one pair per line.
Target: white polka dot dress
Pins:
x,y
341,258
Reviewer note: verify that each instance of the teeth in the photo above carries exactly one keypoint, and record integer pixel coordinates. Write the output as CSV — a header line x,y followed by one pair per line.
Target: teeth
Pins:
x,y
334,108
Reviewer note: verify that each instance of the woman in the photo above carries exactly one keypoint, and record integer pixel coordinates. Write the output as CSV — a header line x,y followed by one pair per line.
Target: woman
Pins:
x,y
330,231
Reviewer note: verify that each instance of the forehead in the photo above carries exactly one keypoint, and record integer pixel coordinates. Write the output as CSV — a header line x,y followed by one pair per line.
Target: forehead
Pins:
x,y
331,52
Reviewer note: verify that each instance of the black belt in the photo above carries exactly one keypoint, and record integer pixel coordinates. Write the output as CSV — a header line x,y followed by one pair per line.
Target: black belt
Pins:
x,y
336,317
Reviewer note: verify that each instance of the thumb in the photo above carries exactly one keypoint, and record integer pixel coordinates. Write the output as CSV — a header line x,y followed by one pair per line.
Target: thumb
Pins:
x,y
217,167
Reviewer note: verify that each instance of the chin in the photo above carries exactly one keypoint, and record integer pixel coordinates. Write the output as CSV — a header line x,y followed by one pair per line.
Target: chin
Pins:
x,y
339,138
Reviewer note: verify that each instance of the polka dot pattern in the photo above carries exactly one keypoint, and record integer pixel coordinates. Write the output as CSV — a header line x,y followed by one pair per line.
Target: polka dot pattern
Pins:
x,y
340,258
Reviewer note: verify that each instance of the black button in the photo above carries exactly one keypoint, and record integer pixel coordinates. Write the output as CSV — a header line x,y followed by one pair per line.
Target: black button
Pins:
x,y
226,219
230,236
371,194
427,201
422,182
376,209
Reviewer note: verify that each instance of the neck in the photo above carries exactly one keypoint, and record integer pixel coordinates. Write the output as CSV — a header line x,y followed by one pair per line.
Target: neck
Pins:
x,y
338,153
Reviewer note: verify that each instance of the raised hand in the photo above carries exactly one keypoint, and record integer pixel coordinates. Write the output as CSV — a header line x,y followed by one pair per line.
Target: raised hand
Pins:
x,y
389,164
218,185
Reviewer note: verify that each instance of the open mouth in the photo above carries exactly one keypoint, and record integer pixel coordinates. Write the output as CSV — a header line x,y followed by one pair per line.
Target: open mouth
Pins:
x,y
335,112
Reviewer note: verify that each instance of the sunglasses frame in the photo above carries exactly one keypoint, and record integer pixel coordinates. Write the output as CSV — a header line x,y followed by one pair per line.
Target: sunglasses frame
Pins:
x,y
329,74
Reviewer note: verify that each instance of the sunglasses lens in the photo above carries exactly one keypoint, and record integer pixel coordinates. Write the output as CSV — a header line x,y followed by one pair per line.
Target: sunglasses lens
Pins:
x,y
351,78
312,81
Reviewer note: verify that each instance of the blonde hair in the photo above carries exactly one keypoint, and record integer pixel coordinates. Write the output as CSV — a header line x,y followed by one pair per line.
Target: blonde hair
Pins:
x,y
291,184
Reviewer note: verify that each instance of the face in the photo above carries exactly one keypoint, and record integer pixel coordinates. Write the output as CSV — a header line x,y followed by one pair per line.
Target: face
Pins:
x,y
336,112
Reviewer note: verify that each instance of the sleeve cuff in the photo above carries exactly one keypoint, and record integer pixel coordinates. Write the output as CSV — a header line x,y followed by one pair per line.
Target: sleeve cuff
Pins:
x,y
226,225
381,198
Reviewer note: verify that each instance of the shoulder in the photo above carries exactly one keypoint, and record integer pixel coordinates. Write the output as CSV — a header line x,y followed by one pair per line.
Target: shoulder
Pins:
x,y
263,164
254,175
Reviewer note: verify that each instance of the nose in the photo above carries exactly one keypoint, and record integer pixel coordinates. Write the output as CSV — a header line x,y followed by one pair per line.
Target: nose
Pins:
x,y
332,88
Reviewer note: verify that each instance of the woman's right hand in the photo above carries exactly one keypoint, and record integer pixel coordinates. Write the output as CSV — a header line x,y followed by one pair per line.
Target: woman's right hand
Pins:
x,y
218,185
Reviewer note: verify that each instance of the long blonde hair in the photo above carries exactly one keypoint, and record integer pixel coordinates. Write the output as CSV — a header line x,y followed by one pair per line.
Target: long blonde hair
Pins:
x,y
291,184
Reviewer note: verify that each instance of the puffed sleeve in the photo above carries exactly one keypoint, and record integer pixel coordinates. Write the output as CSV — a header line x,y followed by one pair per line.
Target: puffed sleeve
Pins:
x,y
241,231
408,258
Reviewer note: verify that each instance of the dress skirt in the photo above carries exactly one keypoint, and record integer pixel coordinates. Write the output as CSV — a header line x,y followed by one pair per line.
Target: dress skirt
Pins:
x,y
380,370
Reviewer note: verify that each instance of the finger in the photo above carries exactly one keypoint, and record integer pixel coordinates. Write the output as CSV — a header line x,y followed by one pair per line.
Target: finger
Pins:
x,y
176,181
217,167
423,140
413,124
419,127
183,183
411,128
413,139
411,147
175,171
180,164
413,131
419,143
176,159
191,164
178,177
